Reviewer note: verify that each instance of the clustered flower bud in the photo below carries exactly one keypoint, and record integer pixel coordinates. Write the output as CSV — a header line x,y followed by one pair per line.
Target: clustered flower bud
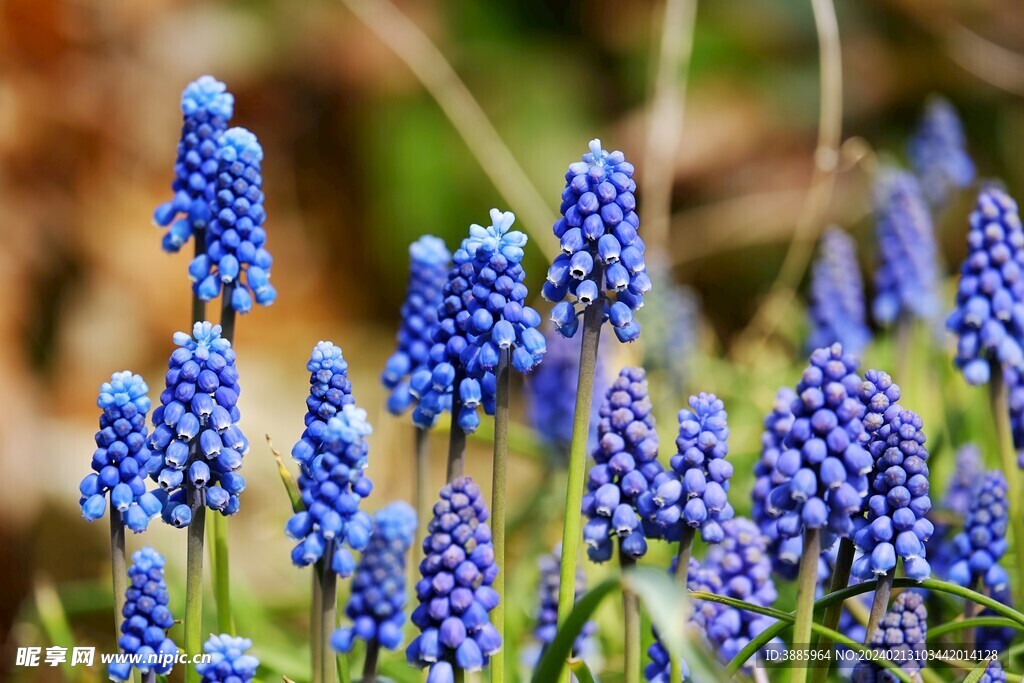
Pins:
x,y
906,281
901,636
602,259
989,315
429,261
377,603
784,552
206,107
229,662
937,152
626,468
196,432
330,390
837,295
982,543
121,461
455,593
146,617
235,238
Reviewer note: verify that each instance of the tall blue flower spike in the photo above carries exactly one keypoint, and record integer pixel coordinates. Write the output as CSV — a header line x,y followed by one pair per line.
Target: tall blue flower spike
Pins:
x,y
626,469
957,501
701,468
332,486
195,429
989,315
837,295
938,154
377,603
901,635
483,314
330,390
994,673
826,463
146,617
235,255
455,592
121,461
229,662
602,259
547,611
982,543
671,327
206,107
429,260
907,278
1014,380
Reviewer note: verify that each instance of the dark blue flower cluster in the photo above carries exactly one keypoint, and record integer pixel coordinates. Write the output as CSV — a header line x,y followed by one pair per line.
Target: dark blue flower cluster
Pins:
x,y
701,467
982,543
994,673
825,465
602,259
547,611
235,237
837,295
937,152
626,468
146,616
429,261
897,525
206,106
377,603
906,281
957,501
121,461
483,314
229,662
330,390
902,633
333,484
455,592
196,434
671,323
989,317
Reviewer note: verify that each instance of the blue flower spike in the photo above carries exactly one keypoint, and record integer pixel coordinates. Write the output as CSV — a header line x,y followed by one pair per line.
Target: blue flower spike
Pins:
x,y
784,552
455,593
938,152
122,459
206,107
429,261
377,603
229,662
901,636
989,316
236,257
330,390
146,617
195,428
602,259
837,295
982,543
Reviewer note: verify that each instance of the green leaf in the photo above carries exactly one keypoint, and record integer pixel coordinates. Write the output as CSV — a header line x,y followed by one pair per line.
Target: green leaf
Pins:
x,y
977,673
287,479
581,671
974,622
558,651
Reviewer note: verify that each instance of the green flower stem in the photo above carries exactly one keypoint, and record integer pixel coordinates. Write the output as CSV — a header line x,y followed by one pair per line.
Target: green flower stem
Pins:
x,y
970,609
999,401
631,622
499,484
807,581
370,665
315,607
194,581
840,579
221,577
118,568
577,466
457,437
935,632
424,500
880,603
682,575
328,615
198,305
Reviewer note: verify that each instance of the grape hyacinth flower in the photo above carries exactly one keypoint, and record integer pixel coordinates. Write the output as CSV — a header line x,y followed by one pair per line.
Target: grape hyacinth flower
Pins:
x,y
957,500
429,260
146,617
455,592
996,637
235,238
837,295
982,543
602,259
701,467
206,107
377,603
626,467
229,662
121,461
906,281
902,632
547,611
989,317
329,392
994,673
937,152
334,485
1014,380
196,432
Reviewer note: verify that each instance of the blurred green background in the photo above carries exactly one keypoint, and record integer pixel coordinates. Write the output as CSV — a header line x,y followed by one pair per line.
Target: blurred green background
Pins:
x,y
360,160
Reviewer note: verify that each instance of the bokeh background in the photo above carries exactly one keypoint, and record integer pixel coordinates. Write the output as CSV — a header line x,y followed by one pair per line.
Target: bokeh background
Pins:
x,y
360,160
